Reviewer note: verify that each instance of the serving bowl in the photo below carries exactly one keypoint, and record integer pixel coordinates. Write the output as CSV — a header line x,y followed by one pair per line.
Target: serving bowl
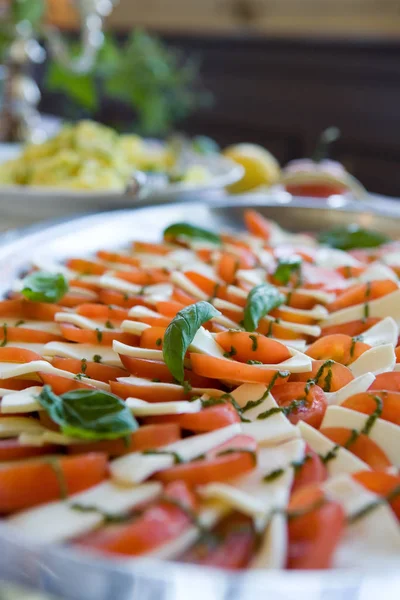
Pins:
x,y
74,575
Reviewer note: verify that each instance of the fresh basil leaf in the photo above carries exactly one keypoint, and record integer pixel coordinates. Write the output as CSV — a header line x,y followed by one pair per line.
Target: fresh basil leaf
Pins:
x,y
44,287
180,333
352,236
88,414
260,301
191,231
285,268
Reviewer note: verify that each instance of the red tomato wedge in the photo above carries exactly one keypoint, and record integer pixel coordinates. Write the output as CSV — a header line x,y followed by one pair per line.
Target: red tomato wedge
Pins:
x,y
94,370
363,447
144,438
362,293
99,311
231,547
30,483
365,403
352,328
314,528
331,377
11,449
159,392
314,402
257,224
152,369
387,381
105,338
312,471
231,459
157,525
382,484
338,347
252,346
232,370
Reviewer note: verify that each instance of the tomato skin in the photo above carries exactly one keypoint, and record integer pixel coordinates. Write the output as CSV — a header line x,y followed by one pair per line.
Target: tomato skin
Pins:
x,y
144,438
313,471
332,377
93,370
158,524
28,484
215,466
386,381
315,190
352,328
313,537
253,347
233,548
153,369
363,447
338,347
365,402
11,449
380,483
315,402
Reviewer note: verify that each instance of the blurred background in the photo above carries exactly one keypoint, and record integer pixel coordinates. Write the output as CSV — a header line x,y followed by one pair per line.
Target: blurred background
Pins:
x,y
272,72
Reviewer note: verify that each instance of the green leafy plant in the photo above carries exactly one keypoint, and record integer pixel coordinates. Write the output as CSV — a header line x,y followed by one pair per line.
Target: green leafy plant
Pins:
x,y
260,301
155,80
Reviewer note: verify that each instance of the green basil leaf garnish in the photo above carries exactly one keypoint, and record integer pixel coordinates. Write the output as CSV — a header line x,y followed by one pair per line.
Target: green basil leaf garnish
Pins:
x,y
202,144
88,414
352,236
180,333
41,286
260,301
285,268
190,231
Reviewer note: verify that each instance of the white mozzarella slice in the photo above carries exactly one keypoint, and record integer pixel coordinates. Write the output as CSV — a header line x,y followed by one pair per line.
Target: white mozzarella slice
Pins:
x,y
252,277
383,332
356,386
14,426
48,437
385,434
236,291
9,370
159,387
23,401
295,344
380,359
58,521
183,282
119,285
391,258
318,312
204,343
38,348
80,321
141,408
344,461
136,466
374,538
225,322
135,327
312,330
44,262
225,305
89,352
137,352
273,548
87,295
332,258
377,271
387,306
270,431
250,493
142,312
45,326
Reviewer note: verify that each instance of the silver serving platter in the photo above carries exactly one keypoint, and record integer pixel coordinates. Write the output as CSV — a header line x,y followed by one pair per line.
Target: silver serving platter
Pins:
x,y
73,575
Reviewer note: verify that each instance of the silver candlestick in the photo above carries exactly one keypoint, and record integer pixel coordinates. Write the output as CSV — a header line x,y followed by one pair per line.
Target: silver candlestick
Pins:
x,y
19,117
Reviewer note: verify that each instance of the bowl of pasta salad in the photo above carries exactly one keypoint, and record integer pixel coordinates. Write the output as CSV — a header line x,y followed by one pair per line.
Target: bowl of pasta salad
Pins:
x,y
202,398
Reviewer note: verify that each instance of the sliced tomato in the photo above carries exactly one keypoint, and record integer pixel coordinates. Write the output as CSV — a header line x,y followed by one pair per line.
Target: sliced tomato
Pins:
x,y
338,347
314,407
157,525
93,370
331,377
11,449
24,334
382,484
315,528
208,419
159,392
231,547
231,370
312,471
362,293
316,190
105,338
62,385
387,381
366,403
100,311
153,337
252,346
27,484
363,447
153,369
257,224
144,438
352,328
230,459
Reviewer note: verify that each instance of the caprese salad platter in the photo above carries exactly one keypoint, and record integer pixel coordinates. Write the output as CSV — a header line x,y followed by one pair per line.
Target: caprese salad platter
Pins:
x,y
176,390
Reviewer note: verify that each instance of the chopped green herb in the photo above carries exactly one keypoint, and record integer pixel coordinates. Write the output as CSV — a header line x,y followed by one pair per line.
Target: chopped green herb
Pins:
x,y
252,453
107,517
254,345
99,335
5,336
97,358
156,380
109,325
83,365
273,475
158,342
254,362
177,459
54,463
19,323
231,353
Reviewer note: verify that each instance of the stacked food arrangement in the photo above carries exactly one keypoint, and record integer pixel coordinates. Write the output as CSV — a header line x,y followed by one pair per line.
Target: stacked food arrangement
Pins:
x,y
217,398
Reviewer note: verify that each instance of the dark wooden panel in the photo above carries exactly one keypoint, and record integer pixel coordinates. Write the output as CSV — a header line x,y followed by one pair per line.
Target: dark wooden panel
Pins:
x,y
281,93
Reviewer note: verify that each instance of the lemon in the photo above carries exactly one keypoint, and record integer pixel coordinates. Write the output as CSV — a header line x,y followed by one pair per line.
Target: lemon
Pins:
x,y
261,167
